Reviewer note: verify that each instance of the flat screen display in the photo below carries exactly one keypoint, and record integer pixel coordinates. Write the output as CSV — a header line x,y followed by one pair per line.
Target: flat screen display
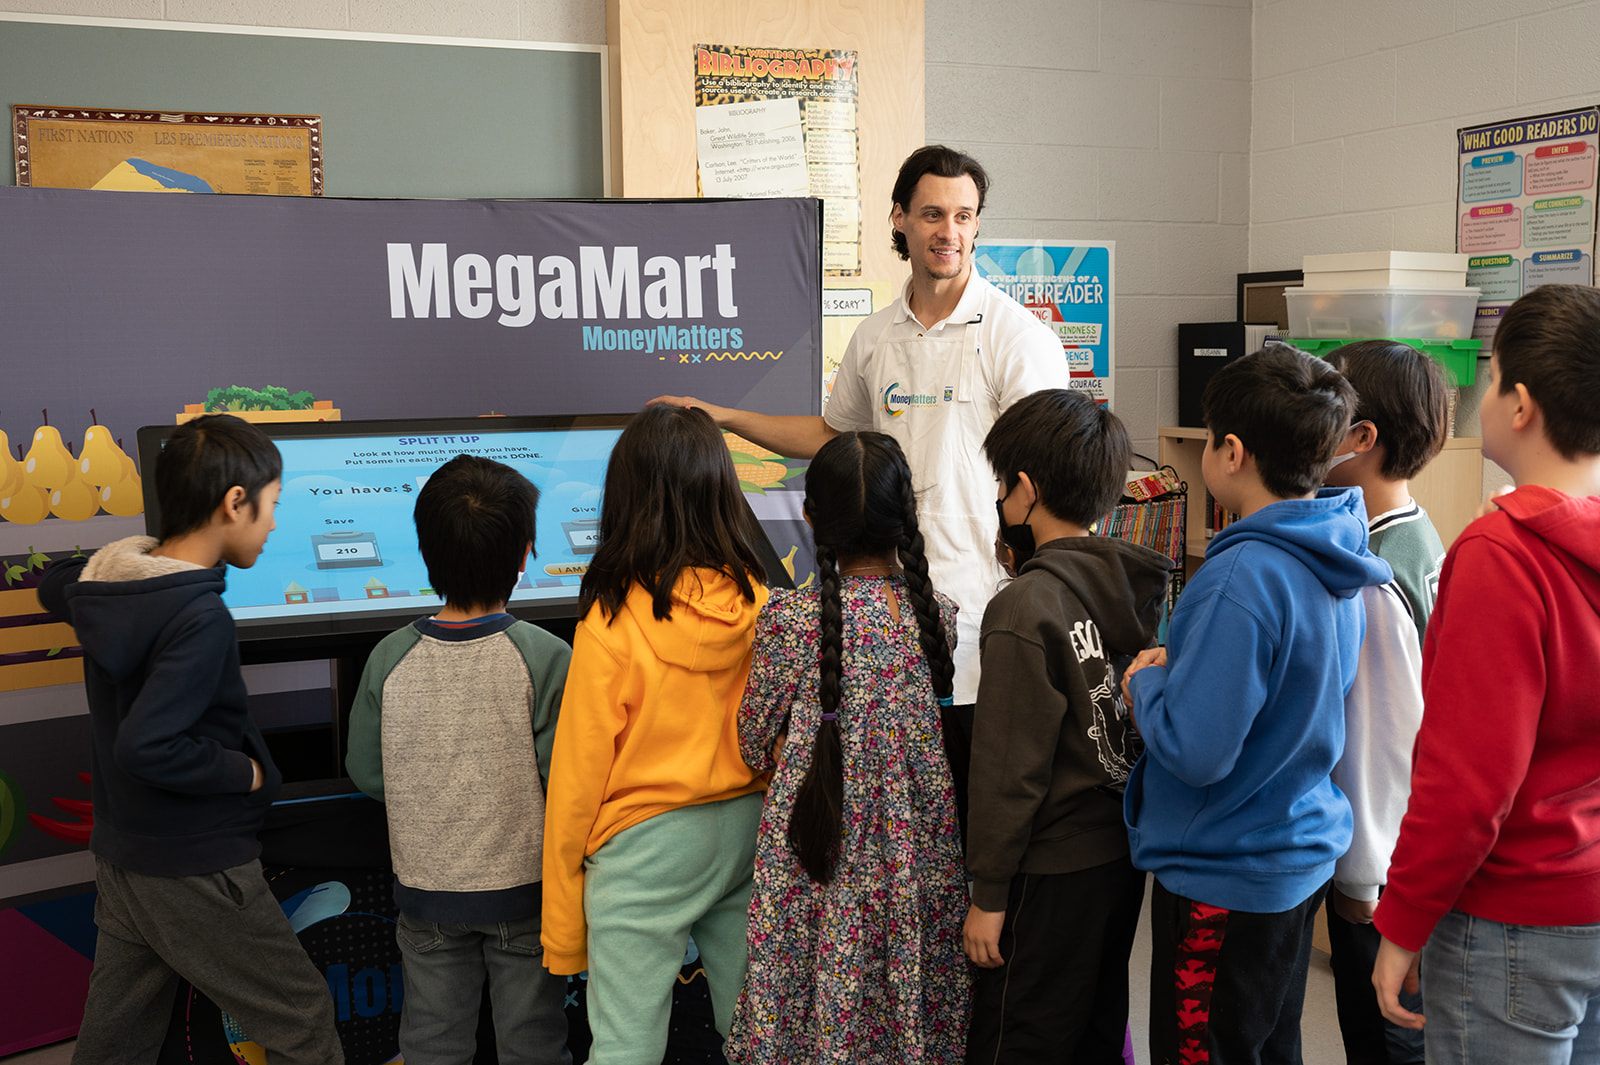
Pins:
x,y
344,557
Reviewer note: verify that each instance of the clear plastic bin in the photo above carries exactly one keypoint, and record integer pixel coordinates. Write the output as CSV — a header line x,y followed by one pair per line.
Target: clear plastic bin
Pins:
x,y
1425,313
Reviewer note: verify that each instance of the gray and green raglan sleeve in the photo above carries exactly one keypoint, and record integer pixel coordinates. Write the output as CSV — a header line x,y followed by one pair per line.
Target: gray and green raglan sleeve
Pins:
x,y
364,758
547,657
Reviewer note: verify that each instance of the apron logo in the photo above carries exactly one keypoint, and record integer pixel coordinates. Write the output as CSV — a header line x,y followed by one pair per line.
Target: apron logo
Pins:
x,y
895,403
948,393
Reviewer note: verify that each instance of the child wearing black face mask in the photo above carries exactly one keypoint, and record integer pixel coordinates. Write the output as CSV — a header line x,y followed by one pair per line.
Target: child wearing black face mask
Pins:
x,y
1055,899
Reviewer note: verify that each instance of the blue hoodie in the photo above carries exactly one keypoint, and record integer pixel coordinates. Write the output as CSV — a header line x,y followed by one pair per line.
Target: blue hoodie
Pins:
x,y
172,738
1231,803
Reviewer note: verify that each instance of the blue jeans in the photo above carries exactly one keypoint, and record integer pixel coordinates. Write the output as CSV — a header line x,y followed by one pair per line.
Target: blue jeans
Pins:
x,y
444,967
1498,993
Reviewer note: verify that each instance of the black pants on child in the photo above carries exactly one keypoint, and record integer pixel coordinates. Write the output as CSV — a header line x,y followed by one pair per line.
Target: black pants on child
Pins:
x,y
1227,986
1369,1039
228,936
1062,994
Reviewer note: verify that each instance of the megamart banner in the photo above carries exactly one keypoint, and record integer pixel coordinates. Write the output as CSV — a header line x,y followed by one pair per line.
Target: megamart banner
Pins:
x,y
121,309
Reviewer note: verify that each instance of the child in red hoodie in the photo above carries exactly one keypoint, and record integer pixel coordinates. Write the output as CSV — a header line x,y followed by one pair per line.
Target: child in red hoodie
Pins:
x,y
1496,876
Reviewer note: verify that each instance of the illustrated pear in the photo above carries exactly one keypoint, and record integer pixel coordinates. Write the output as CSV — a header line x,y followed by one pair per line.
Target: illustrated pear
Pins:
x,y
10,469
101,460
75,501
125,498
25,506
48,464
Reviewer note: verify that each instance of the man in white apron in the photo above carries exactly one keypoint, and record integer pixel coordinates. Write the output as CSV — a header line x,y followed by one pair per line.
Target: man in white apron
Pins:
x,y
934,370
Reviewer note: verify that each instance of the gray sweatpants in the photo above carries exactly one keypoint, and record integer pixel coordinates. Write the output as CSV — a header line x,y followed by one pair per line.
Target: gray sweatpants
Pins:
x,y
224,933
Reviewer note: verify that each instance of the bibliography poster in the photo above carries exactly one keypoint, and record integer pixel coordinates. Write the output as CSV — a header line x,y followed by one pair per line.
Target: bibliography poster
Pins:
x,y
783,122
1526,208
1069,286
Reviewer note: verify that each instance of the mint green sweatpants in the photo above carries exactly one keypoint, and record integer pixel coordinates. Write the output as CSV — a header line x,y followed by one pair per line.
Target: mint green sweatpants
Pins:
x,y
646,891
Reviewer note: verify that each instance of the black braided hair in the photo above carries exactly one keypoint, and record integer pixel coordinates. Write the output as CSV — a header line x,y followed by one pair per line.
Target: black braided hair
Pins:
x,y
930,620
860,501
815,825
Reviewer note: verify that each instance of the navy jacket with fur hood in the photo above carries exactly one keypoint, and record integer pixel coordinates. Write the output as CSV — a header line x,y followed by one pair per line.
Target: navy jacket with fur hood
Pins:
x,y
172,739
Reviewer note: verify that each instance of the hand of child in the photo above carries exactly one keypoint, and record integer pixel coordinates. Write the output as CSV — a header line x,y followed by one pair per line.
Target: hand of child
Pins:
x,y
1396,968
258,776
1355,911
980,936
1150,656
1489,506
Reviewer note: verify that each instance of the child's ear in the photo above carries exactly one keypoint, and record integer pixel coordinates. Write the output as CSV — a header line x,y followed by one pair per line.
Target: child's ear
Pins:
x,y
1030,491
233,504
527,552
1234,454
1527,408
1365,435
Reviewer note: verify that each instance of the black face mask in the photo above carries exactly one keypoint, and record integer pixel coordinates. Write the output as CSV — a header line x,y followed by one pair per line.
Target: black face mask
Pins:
x,y
1017,537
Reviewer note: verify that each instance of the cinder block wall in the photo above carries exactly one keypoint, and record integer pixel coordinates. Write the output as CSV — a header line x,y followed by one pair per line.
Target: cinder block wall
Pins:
x,y
1356,104
1125,120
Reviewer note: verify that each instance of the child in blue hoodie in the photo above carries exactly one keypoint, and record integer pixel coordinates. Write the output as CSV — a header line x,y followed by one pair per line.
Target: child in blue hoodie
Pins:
x,y
181,776
1242,715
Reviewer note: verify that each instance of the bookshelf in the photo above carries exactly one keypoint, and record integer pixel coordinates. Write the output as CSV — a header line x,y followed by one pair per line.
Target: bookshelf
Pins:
x,y
1450,488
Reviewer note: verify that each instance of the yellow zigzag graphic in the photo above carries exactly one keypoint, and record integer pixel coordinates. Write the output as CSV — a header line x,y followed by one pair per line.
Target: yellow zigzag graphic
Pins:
x,y
690,978
735,356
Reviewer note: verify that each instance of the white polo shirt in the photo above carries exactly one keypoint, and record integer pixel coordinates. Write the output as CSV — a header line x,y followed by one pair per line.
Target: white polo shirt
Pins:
x,y
937,390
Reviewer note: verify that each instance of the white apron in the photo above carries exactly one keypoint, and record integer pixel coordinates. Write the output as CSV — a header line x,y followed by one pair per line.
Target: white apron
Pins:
x,y
931,397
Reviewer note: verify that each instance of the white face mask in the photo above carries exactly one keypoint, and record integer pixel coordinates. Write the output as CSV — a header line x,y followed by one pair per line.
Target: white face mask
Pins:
x,y
1337,459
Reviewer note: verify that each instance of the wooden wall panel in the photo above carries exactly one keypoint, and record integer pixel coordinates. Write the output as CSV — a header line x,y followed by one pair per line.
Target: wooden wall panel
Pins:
x,y
652,49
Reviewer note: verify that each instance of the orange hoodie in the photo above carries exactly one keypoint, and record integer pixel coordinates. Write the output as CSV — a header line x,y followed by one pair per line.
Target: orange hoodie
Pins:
x,y
649,723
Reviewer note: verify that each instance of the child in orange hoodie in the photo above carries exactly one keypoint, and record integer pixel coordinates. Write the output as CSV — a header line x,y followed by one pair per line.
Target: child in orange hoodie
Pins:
x,y
651,814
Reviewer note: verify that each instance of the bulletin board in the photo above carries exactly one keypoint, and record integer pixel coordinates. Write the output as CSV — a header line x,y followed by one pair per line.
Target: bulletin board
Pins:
x,y
402,116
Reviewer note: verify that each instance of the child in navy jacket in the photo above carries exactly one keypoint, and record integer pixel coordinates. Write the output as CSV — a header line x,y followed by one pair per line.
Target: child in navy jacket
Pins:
x,y
181,777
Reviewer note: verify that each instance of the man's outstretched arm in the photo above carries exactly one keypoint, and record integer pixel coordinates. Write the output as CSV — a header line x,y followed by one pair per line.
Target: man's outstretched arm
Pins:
x,y
796,436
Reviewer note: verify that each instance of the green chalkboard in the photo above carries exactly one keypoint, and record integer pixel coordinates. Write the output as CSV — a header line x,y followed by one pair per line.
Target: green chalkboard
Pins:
x,y
400,118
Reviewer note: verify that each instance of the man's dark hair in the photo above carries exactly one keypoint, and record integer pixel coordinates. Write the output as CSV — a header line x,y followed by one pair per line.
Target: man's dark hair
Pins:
x,y
1549,341
1075,451
939,161
1289,410
475,517
201,460
1403,393
672,502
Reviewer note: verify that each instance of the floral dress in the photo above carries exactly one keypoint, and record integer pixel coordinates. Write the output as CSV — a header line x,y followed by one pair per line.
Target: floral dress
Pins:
x,y
869,968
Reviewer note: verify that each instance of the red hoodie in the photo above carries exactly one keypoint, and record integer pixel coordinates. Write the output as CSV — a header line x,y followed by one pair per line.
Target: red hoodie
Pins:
x,y
1504,819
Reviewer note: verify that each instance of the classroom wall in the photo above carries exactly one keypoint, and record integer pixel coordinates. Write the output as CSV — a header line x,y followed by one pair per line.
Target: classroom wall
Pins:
x,y
1356,105
1127,120
551,21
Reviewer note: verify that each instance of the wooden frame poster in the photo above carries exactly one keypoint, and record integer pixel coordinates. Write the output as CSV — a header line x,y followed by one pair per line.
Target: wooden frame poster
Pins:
x,y
156,151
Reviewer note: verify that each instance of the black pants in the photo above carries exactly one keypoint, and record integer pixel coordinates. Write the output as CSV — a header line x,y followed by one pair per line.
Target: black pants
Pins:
x,y
956,724
1227,983
1369,1039
1062,994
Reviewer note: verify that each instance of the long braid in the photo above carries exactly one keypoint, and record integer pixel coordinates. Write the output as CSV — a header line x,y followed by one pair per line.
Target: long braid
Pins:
x,y
815,824
930,621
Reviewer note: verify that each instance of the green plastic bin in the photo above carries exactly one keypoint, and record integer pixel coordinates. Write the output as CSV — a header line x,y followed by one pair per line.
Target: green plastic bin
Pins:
x,y
1458,357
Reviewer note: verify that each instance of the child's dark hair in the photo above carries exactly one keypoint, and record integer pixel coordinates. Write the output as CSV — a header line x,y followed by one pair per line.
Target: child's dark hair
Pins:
x,y
1549,342
1075,451
201,460
672,501
475,518
1290,410
939,161
1402,392
860,502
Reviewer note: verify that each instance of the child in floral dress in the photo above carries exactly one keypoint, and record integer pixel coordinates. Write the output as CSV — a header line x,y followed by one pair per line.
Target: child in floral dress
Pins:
x,y
855,920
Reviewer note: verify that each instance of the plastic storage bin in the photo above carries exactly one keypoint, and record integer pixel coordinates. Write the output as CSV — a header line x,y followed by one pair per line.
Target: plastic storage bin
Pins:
x,y
1458,357
1370,269
1429,313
